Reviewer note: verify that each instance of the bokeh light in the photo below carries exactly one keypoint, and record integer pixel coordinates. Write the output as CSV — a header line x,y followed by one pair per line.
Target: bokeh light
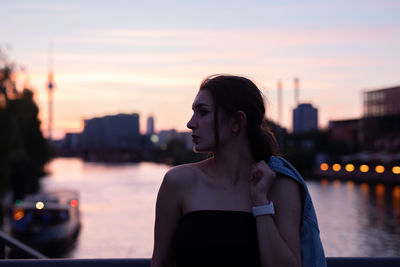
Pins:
x,y
364,168
380,169
349,167
39,205
324,167
396,170
336,167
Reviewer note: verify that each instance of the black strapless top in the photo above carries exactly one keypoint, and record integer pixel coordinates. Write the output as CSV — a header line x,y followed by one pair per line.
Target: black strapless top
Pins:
x,y
216,238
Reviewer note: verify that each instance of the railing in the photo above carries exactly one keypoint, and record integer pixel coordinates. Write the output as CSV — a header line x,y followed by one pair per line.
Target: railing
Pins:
x,y
332,262
6,240
43,261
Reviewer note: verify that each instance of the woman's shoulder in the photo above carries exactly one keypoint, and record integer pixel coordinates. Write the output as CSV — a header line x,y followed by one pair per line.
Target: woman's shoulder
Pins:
x,y
185,173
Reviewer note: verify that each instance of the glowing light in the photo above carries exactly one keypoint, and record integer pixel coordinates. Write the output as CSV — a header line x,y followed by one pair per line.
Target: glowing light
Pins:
x,y
380,169
154,138
336,167
18,215
396,170
74,203
349,167
324,167
39,205
364,168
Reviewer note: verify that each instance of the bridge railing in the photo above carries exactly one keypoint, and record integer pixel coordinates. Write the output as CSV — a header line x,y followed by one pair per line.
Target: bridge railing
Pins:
x,y
332,262
6,240
42,261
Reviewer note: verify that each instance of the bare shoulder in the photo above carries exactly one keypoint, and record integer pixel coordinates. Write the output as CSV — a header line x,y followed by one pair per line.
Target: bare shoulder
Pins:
x,y
171,197
285,189
283,182
183,175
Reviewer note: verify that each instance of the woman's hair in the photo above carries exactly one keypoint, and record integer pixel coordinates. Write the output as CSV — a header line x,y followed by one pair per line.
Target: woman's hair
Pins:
x,y
233,93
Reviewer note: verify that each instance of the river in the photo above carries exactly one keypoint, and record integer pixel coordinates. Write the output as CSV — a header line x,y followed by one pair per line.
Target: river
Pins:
x,y
117,205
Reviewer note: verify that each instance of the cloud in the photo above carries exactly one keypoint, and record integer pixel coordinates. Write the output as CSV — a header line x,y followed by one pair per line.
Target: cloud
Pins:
x,y
168,38
158,70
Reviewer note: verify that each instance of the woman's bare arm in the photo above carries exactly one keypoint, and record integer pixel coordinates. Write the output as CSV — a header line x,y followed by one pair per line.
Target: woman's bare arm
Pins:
x,y
168,212
279,235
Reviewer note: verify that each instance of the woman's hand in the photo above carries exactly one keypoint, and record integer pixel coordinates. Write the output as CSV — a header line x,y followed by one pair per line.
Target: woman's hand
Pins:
x,y
262,177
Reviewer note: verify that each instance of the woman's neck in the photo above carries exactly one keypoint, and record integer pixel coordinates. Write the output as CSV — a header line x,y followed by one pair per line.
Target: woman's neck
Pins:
x,y
232,163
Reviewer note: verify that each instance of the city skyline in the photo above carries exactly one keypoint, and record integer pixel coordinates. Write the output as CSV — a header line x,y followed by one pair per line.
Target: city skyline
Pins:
x,y
150,58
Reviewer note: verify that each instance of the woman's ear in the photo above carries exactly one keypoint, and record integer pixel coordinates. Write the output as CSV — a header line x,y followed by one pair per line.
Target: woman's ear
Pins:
x,y
239,121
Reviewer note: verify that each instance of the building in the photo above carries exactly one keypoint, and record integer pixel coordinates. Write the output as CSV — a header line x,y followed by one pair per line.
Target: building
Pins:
x,y
167,135
112,132
150,125
72,141
379,128
346,132
305,118
382,102
380,133
381,119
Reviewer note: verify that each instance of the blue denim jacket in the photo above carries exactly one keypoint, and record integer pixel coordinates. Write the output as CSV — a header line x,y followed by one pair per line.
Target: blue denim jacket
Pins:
x,y
312,252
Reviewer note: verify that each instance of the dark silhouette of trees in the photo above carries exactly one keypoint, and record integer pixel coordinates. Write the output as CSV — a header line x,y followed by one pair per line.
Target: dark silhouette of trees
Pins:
x,y
23,149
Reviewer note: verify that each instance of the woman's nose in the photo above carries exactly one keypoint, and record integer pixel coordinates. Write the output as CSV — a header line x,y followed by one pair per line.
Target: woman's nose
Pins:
x,y
190,124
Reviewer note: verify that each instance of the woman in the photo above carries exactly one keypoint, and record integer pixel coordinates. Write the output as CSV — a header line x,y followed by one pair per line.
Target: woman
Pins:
x,y
232,209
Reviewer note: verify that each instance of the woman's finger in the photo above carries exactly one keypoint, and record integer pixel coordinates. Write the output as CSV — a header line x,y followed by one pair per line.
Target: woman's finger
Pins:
x,y
255,178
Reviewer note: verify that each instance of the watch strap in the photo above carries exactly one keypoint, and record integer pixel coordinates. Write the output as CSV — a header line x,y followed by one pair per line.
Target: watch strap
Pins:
x,y
264,210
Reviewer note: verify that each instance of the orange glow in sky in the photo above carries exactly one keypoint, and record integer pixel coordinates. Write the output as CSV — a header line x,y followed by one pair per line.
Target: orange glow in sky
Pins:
x,y
150,58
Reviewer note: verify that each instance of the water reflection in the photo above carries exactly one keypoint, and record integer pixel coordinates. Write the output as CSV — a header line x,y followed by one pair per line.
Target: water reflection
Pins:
x,y
358,219
117,203
396,204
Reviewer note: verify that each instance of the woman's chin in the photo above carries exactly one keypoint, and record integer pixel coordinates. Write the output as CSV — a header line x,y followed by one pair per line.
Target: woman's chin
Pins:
x,y
199,149
196,149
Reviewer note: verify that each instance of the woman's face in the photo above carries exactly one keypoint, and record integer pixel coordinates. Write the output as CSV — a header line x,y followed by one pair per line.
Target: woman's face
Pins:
x,y
202,122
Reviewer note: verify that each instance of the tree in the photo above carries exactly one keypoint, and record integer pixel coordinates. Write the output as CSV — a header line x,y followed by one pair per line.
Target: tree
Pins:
x,y
23,149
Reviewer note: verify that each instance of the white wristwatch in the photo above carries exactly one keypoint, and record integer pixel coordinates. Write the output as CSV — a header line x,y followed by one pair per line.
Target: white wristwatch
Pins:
x,y
264,210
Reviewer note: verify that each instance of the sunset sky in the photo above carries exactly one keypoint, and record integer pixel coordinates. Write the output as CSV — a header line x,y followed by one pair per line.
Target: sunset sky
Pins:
x,y
149,57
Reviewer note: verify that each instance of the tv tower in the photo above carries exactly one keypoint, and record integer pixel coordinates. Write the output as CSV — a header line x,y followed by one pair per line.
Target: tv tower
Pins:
x,y
296,91
279,102
50,88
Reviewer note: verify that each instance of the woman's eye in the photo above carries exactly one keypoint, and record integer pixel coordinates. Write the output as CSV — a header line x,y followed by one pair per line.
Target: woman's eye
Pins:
x,y
203,112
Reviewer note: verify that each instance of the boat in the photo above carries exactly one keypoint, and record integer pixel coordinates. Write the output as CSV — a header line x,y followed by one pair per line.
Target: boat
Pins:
x,y
48,222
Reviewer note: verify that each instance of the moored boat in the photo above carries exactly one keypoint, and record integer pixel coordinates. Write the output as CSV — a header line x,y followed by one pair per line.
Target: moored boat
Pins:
x,y
49,221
